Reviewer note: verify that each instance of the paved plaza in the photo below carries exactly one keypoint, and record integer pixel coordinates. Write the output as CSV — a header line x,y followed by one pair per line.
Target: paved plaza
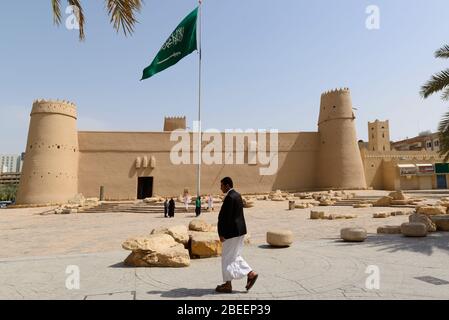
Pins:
x,y
37,249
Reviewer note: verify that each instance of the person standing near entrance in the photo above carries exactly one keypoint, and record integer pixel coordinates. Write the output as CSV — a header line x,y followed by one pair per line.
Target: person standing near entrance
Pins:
x,y
198,206
232,230
166,208
171,208
210,203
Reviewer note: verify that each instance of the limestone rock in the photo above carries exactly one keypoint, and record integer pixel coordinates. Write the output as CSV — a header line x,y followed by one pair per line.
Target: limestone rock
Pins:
x,y
280,238
205,245
248,203
417,217
431,210
381,215
362,205
78,200
151,200
389,230
353,234
91,202
304,205
201,225
153,243
441,222
327,202
314,215
179,233
400,202
414,229
383,202
277,198
398,213
398,195
175,256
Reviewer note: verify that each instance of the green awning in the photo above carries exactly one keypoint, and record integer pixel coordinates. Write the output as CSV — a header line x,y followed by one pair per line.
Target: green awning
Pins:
x,y
442,168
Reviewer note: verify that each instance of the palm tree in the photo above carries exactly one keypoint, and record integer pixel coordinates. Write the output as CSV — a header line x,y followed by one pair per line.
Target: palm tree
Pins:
x,y
440,82
121,12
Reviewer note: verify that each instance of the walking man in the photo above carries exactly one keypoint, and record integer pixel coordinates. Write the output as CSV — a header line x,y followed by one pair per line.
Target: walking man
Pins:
x,y
232,230
166,208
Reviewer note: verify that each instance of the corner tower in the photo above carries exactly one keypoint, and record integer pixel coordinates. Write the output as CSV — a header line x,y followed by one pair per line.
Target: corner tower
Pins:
x,y
50,169
379,136
174,123
340,165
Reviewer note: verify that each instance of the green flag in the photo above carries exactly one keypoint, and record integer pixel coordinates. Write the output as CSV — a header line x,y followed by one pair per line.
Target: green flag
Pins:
x,y
181,43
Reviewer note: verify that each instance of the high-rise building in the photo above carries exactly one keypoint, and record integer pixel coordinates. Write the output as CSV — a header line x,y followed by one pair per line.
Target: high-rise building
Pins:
x,y
10,163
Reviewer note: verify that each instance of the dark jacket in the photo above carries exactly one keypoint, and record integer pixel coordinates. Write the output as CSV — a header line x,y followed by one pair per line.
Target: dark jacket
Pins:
x,y
231,221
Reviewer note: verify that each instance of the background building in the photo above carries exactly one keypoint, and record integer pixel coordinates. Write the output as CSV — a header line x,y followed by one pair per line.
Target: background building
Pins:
x,y
10,163
424,141
411,164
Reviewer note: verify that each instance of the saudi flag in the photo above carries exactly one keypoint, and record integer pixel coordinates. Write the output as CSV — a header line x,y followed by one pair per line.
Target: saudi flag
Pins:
x,y
181,43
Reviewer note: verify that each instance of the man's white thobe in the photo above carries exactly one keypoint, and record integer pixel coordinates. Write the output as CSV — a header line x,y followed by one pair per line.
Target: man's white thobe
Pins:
x,y
232,264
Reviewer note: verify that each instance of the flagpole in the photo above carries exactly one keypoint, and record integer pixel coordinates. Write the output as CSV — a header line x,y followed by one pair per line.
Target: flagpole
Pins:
x,y
198,187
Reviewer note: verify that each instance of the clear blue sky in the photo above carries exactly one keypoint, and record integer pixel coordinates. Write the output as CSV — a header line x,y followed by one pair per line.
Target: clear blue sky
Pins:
x,y
265,65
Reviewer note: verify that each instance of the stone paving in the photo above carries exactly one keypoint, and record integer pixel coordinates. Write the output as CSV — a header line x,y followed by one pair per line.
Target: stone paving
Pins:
x,y
36,250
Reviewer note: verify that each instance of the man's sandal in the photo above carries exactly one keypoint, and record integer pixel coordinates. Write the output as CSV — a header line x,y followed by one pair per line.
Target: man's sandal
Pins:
x,y
251,282
223,289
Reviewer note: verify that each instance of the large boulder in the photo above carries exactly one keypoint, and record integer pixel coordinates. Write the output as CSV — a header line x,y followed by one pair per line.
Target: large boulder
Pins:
x,y
201,226
414,229
205,245
431,210
417,217
176,256
280,238
179,233
383,202
153,243
353,234
441,222
389,230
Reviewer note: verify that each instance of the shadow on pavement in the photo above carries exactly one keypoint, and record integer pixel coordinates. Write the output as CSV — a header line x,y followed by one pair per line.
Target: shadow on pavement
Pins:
x,y
266,246
120,265
186,293
395,243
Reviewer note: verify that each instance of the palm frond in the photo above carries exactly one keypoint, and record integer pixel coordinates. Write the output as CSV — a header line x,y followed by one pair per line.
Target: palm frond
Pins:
x,y
437,83
443,130
122,14
56,6
445,95
442,52
80,16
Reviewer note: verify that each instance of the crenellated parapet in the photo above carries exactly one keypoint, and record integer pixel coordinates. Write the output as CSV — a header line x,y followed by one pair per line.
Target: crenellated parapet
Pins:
x,y
62,107
175,123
